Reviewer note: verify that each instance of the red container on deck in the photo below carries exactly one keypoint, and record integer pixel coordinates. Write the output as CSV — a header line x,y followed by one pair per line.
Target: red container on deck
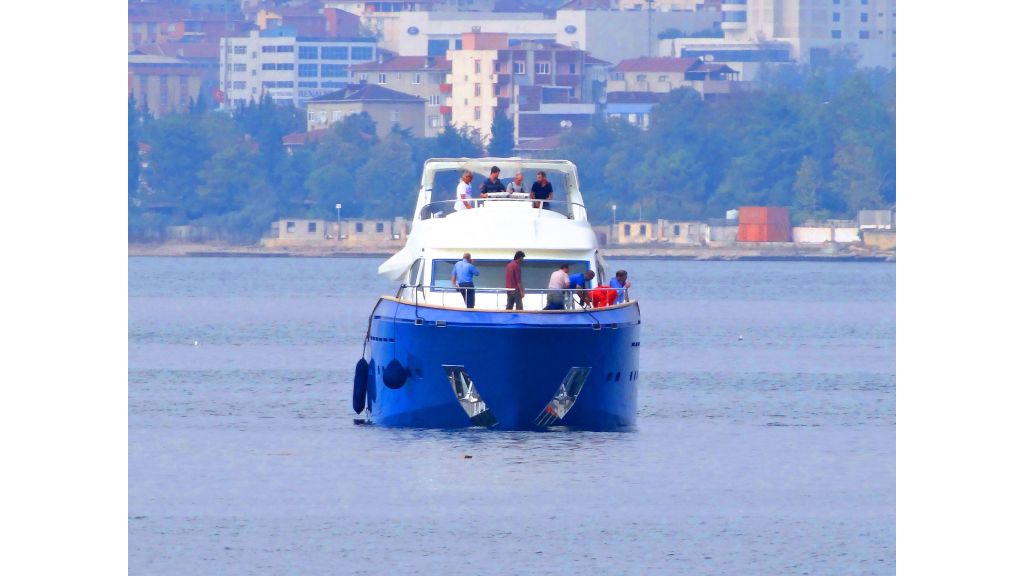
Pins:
x,y
764,224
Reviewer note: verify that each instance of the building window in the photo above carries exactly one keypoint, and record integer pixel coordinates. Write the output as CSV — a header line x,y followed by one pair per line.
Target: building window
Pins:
x,y
435,121
332,84
476,66
476,90
416,78
238,85
311,227
627,230
837,34
359,227
618,76
290,227
835,16
380,226
238,67
675,230
572,68
268,66
286,66
308,52
641,77
497,67
337,116
362,53
863,17
382,79
542,68
267,49
663,78
864,35
307,70
395,116
333,70
435,100
307,84
734,16
284,48
519,67
334,53
643,229
476,113
238,49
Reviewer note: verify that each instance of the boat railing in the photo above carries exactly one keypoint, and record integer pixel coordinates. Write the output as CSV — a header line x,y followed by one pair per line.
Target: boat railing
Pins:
x,y
452,297
442,208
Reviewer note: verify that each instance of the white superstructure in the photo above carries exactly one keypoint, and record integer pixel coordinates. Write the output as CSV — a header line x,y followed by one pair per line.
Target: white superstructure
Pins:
x,y
492,232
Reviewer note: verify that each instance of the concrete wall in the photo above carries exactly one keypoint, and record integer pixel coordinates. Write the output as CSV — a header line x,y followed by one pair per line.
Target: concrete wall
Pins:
x,y
636,232
880,239
719,236
682,233
320,115
823,234
354,234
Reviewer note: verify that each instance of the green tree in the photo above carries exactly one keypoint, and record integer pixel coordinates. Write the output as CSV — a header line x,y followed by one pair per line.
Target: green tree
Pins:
x,y
134,165
179,150
806,187
388,179
502,141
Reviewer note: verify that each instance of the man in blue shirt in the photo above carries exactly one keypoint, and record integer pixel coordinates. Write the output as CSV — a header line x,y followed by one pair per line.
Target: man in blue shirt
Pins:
x,y
580,280
462,278
492,184
541,190
620,283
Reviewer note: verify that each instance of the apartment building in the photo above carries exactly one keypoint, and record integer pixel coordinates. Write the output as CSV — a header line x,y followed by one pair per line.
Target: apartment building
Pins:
x,y
386,107
286,67
489,75
422,76
814,27
163,84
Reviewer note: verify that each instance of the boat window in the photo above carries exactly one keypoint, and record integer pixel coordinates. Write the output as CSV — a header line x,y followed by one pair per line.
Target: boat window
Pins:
x,y
414,273
536,273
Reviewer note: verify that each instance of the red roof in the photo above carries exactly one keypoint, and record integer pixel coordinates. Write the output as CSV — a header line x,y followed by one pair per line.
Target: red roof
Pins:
x,y
301,138
406,63
661,64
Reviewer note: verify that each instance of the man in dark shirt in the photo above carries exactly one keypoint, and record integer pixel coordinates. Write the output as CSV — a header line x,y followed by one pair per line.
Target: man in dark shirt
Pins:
x,y
514,281
541,190
493,183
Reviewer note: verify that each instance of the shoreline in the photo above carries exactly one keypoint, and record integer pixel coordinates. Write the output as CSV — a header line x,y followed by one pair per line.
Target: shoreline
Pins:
x,y
761,253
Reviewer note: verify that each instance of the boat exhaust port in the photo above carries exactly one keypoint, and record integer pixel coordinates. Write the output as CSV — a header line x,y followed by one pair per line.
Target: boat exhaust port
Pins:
x,y
564,398
468,396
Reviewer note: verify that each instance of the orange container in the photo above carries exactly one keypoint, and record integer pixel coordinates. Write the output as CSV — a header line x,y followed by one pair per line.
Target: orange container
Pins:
x,y
764,224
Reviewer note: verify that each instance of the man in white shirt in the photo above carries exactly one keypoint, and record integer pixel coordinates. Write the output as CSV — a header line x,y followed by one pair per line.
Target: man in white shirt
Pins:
x,y
558,282
464,192
516,185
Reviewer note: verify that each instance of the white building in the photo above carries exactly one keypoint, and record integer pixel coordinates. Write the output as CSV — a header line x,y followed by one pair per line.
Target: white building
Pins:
x,y
287,68
813,27
607,34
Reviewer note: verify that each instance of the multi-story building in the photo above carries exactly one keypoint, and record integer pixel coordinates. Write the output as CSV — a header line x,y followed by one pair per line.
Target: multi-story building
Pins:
x,y
310,20
286,67
162,84
422,76
814,27
203,57
606,34
490,76
386,107
170,22
666,74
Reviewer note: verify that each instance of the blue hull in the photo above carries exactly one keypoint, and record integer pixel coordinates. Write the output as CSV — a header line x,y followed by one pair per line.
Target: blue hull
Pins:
x,y
517,363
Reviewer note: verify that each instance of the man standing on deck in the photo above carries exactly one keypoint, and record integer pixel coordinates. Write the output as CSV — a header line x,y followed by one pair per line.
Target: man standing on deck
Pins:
x,y
462,278
579,281
514,281
621,283
557,284
463,193
541,190
492,184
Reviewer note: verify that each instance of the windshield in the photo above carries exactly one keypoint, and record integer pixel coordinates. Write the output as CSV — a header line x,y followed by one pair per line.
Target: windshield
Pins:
x,y
536,273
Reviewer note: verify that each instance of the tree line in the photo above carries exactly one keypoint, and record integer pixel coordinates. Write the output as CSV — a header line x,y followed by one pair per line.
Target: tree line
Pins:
x,y
821,140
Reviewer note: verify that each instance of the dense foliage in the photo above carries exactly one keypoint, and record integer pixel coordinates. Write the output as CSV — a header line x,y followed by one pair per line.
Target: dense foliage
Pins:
x,y
821,140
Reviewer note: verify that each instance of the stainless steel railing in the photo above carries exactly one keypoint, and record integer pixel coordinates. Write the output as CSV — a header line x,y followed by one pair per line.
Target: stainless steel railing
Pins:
x,y
452,297
442,208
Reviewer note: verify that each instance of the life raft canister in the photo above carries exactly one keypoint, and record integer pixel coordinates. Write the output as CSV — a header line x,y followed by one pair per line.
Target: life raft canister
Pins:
x,y
359,385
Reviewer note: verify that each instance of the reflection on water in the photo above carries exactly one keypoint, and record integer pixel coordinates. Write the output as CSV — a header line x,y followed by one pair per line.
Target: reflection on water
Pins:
x,y
774,453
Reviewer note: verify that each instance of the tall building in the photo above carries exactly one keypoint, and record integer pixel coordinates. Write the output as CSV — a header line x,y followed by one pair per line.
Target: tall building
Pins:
x,y
286,67
814,27
549,82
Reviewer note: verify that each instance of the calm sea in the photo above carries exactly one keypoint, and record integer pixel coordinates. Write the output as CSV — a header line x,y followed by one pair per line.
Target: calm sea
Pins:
x,y
766,441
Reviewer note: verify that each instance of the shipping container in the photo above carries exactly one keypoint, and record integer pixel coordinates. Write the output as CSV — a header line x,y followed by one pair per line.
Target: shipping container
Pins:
x,y
764,224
